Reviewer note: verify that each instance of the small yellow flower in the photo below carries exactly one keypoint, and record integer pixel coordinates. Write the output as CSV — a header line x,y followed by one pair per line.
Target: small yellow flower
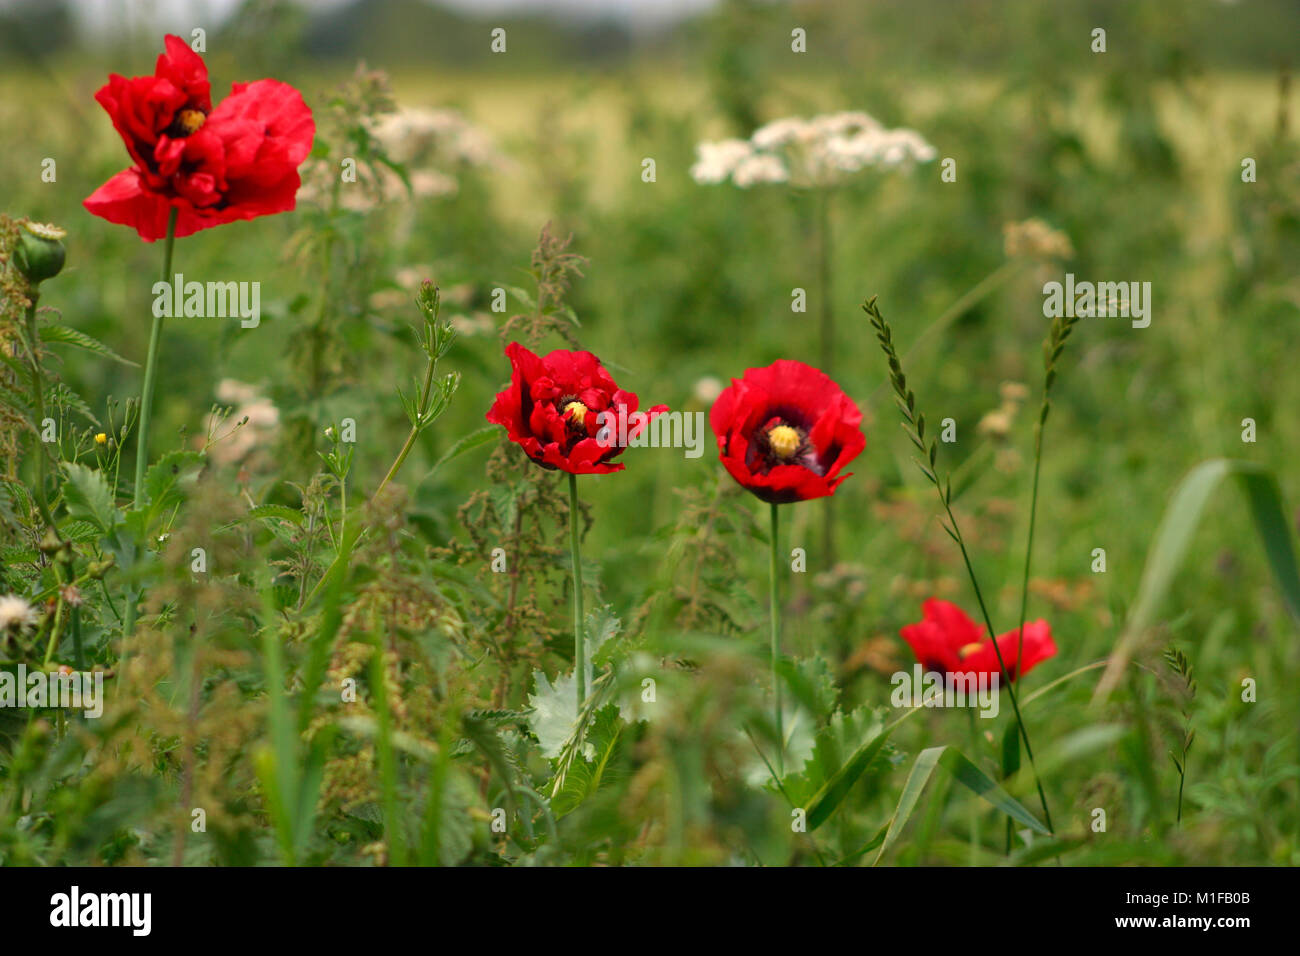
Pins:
x,y
101,439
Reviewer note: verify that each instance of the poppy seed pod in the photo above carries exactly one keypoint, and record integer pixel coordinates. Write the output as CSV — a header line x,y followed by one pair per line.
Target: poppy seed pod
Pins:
x,y
39,254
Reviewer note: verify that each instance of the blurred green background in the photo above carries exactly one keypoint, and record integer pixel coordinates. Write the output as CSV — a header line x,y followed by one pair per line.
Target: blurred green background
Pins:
x,y
1135,154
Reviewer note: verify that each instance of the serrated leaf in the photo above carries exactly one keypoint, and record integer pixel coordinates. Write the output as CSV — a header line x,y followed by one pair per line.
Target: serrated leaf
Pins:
x,y
553,713
67,335
88,497
601,626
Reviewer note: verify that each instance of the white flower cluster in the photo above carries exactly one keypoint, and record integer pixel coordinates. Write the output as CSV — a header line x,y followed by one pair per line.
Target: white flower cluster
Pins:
x,y
431,144
820,151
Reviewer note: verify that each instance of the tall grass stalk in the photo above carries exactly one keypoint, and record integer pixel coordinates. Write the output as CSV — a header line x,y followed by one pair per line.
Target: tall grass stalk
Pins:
x,y
914,426
1062,326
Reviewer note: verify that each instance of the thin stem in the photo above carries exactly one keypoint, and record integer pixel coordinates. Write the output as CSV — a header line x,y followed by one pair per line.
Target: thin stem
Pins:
x,y
1011,690
151,370
33,343
426,397
345,546
775,621
343,507
1029,543
1182,778
579,648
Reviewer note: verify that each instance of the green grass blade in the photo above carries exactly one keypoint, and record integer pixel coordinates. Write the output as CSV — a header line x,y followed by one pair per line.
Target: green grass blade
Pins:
x,y
979,783
926,761
965,773
1174,538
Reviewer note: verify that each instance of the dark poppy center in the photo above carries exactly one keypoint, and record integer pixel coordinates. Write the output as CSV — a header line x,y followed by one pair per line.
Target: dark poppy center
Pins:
x,y
575,415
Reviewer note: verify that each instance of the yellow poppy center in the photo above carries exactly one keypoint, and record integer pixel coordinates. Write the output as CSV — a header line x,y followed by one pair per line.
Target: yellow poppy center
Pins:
x,y
189,121
967,650
784,441
576,413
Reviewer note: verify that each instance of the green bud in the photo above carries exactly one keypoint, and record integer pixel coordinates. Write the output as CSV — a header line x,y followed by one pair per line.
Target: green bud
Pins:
x,y
39,254
428,299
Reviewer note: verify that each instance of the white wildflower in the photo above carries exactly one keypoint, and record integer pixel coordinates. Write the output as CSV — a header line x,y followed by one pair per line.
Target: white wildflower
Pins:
x,y
718,160
784,132
15,614
820,151
759,169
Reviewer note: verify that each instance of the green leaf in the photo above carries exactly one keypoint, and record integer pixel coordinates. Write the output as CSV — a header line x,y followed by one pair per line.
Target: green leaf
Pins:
x,y
89,498
829,749
522,296
600,626
585,777
1174,538
554,711
475,439
276,513
833,792
67,335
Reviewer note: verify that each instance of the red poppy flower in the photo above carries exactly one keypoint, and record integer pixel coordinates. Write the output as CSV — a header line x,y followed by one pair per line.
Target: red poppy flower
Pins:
x,y
948,641
552,409
785,431
238,161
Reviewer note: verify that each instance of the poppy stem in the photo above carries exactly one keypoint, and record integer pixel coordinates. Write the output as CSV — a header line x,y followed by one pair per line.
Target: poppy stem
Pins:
x,y
579,646
774,605
146,410
150,371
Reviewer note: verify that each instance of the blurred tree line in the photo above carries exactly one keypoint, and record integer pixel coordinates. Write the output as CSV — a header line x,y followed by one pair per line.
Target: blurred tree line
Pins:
x,y
970,34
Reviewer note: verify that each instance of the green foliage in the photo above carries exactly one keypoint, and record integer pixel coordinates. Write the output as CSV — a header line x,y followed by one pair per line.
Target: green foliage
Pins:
x,y
377,665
